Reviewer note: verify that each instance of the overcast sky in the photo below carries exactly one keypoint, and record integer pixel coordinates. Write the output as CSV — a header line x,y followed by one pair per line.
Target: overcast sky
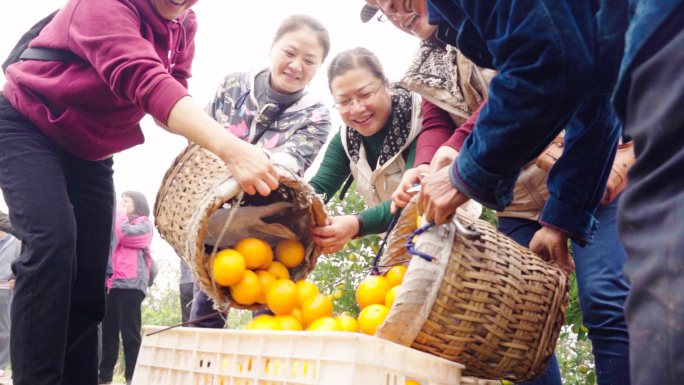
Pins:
x,y
232,36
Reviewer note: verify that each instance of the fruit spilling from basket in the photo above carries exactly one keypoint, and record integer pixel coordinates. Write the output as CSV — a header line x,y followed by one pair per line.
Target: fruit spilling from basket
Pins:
x,y
256,273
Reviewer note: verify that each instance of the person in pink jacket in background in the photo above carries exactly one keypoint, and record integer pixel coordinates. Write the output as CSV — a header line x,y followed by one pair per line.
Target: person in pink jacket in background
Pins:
x,y
60,123
127,287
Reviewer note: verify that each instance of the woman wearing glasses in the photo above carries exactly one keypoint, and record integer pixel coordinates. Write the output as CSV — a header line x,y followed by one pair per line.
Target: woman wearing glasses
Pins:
x,y
376,145
273,109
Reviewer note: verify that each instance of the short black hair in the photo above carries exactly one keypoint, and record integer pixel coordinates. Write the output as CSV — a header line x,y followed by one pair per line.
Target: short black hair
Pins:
x,y
352,59
139,202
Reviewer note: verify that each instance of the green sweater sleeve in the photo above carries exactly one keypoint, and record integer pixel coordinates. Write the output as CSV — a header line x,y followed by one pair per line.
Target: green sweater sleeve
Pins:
x,y
334,170
411,158
377,219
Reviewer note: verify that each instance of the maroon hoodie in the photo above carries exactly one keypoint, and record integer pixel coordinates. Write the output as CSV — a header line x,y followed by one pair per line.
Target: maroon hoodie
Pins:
x,y
134,62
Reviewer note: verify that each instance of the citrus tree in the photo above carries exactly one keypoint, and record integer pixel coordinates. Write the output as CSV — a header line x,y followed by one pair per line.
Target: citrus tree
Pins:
x,y
340,273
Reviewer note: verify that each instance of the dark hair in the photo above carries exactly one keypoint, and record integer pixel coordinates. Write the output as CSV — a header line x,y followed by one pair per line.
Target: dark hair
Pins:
x,y
140,203
352,59
296,22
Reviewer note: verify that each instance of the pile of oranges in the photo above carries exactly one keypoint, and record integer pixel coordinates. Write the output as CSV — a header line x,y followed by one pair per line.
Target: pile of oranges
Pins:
x,y
249,270
375,296
300,305
256,273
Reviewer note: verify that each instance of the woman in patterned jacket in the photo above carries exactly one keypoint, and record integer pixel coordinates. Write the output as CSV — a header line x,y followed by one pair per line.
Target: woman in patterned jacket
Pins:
x,y
273,109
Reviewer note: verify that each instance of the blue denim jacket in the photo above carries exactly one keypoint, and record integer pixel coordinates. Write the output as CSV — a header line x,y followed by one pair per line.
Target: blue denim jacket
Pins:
x,y
649,28
560,79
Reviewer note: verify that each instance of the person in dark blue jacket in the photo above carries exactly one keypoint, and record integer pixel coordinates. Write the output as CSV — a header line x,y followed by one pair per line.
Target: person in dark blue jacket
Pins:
x,y
534,96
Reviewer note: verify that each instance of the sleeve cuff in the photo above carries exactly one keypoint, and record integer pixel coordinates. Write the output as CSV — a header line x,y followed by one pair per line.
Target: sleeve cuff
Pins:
x,y
163,97
469,178
574,222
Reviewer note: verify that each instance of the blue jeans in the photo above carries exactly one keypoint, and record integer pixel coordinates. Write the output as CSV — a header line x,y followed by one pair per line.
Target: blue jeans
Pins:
x,y
602,292
202,306
61,208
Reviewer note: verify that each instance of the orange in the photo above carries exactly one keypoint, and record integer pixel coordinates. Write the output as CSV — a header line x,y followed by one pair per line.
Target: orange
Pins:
x,y
348,324
395,275
265,279
391,294
282,297
316,307
372,317
288,322
306,291
325,324
257,253
297,313
371,291
418,220
338,294
289,252
279,270
246,290
229,266
411,382
264,322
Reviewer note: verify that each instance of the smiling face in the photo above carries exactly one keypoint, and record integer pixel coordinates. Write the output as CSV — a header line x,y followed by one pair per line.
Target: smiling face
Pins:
x,y
403,7
172,9
415,25
295,58
359,83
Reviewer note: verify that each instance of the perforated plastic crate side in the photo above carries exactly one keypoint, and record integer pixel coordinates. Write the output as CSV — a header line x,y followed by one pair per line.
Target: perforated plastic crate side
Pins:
x,y
226,357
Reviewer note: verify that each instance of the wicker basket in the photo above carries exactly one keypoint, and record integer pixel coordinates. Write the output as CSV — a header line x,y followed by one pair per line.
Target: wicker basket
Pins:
x,y
489,304
196,185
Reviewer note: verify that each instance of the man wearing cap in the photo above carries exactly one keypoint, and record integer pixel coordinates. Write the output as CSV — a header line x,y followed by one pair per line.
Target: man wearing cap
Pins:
x,y
10,248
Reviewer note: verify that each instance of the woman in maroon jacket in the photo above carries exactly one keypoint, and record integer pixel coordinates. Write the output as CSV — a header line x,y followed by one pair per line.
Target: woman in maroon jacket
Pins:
x,y
60,124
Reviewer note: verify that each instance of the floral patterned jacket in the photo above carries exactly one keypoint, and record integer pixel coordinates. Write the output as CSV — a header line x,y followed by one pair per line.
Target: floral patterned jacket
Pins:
x,y
294,134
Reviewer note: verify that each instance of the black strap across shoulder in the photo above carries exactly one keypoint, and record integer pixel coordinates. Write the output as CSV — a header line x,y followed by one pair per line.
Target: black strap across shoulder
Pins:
x,y
21,51
48,54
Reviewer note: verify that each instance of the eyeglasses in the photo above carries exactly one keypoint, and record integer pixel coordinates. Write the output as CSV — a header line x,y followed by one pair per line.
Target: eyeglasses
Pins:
x,y
382,17
362,100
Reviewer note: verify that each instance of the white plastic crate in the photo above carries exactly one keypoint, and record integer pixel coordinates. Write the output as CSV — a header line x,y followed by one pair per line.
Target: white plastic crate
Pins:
x,y
194,356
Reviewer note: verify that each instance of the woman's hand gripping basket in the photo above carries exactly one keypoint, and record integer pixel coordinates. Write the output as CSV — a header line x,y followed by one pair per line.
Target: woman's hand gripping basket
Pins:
x,y
198,185
487,303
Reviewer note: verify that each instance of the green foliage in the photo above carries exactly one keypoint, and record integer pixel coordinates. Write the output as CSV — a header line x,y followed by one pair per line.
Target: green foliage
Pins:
x,y
162,303
238,318
345,269
574,348
489,215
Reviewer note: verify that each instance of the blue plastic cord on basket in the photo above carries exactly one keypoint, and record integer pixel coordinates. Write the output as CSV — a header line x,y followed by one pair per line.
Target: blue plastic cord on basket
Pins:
x,y
395,219
411,246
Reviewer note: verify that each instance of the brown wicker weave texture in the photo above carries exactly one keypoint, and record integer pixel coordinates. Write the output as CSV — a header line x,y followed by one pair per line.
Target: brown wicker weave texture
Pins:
x,y
500,307
190,193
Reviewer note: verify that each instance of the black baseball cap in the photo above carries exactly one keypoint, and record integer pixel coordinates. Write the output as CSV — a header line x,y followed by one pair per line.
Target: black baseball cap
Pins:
x,y
367,12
